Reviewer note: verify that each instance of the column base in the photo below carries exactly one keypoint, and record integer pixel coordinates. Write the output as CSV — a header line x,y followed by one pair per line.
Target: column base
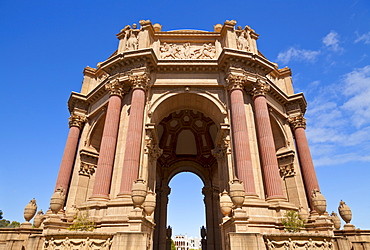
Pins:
x,y
99,198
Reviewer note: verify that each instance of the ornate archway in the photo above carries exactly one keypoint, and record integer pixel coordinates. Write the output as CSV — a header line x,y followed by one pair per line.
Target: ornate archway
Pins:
x,y
187,138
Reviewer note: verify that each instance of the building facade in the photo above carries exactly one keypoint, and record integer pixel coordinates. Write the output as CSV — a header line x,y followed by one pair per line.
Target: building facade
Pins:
x,y
206,102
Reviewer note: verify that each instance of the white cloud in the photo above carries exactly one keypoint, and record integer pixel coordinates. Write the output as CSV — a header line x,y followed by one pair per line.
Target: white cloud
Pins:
x,y
297,55
357,88
331,41
364,38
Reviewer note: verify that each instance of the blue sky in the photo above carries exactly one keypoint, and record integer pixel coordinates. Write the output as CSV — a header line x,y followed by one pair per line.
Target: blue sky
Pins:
x,y
44,46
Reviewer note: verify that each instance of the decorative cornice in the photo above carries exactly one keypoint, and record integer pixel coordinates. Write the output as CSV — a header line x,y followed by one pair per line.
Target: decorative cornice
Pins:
x,y
77,102
140,81
260,88
115,87
297,122
77,120
235,81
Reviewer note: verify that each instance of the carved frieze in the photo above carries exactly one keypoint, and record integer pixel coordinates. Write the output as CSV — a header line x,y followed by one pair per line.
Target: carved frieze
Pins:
x,y
67,243
77,120
187,51
297,122
299,244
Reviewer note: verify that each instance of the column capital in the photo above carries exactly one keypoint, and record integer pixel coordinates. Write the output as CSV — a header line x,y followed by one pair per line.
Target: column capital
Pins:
x,y
140,81
259,88
235,81
115,87
76,120
219,152
153,150
297,122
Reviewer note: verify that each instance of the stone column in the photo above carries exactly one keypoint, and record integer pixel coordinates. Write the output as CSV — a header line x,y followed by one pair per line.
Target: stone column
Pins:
x,y
298,125
220,154
65,171
163,196
208,193
134,136
104,169
270,167
240,137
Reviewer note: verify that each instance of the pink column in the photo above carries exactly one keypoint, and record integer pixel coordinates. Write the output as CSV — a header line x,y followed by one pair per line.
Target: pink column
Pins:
x,y
271,172
298,124
135,129
65,171
241,150
104,169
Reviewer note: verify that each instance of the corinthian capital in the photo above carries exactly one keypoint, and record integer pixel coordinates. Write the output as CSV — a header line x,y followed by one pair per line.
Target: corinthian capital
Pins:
x,y
235,81
76,120
115,87
219,152
297,122
259,88
140,81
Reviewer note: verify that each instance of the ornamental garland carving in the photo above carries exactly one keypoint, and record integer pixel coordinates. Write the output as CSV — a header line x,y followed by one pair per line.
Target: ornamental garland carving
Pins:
x,y
139,81
115,87
76,120
297,122
235,81
299,244
69,244
187,51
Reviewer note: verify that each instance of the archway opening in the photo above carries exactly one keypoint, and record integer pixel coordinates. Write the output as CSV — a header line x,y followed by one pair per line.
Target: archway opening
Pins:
x,y
186,210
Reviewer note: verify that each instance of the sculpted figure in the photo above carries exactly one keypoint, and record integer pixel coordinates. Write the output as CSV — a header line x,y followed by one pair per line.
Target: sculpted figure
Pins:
x,y
207,51
187,51
51,245
67,245
87,244
290,245
132,40
242,39
270,245
107,244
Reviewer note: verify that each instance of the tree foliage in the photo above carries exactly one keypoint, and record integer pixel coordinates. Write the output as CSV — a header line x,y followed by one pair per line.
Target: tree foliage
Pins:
x,y
173,247
82,222
292,222
7,223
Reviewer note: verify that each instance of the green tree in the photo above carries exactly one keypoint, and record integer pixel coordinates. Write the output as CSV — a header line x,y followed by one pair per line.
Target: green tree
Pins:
x,y
292,222
173,247
6,223
82,222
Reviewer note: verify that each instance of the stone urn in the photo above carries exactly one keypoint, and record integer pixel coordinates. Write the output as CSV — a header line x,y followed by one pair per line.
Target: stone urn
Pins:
x,y
38,219
226,204
303,213
30,210
237,193
138,193
318,201
345,212
336,221
57,200
149,203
